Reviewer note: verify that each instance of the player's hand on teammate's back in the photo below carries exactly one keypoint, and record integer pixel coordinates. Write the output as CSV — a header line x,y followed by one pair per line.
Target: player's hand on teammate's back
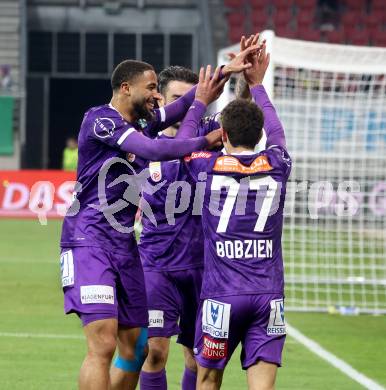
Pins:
x,y
209,88
214,139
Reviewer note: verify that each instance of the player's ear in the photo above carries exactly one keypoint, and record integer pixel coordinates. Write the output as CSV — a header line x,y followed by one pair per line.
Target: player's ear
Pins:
x,y
224,136
125,88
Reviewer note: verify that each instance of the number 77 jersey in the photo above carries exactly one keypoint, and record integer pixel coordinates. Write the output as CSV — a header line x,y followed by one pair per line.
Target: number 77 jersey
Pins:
x,y
242,202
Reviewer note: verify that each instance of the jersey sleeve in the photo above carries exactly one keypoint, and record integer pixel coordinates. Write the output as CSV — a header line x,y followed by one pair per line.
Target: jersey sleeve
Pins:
x,y
208,124
190,124
280,159
118,134
272,125
110,130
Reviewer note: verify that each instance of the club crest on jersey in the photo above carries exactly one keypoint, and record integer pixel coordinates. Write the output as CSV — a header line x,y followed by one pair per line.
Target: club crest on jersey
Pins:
x,y
276,324
104,127
232,164
215,318
155,171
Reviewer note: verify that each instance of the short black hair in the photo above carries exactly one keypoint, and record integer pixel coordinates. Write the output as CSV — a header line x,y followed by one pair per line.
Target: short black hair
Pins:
x,y
175,73
243,122
127,71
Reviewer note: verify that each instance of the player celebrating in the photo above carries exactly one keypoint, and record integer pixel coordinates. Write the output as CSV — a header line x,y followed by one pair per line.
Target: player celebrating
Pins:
x,y
102,276
242,290
172,253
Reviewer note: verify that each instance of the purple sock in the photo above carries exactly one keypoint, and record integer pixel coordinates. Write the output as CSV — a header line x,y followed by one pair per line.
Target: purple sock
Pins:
x,y
189,379
153,380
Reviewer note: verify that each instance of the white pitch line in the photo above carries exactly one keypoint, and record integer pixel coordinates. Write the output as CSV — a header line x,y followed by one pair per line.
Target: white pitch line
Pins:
x,y
42,335
333,360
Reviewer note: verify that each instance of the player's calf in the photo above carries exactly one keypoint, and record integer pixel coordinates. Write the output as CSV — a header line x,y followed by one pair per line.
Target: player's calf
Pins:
x,y
262,376
209,378
101,338
132,352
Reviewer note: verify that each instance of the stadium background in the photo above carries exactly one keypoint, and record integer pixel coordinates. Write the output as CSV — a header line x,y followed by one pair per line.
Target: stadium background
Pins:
x,y
56,57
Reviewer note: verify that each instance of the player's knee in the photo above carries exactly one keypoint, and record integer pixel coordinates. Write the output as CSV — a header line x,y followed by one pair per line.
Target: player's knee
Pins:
x,y
131,358
209,377
190,361
103,345
157,356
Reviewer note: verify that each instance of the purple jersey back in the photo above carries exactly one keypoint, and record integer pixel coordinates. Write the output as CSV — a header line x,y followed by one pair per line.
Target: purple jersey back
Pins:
x,y
177,241
242,220
98,142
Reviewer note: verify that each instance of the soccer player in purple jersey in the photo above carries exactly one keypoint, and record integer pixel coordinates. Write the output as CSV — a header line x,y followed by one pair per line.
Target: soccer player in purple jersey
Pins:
x,y
172,252
243,282
102,276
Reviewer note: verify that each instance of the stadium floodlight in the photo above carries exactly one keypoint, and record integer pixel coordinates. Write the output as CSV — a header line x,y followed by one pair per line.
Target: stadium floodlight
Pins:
x,y
332,102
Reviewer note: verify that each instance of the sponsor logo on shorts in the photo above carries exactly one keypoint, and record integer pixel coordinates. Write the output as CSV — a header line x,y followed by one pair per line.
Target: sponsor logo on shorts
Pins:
x,y
67,268
276,325
156,319
215,318
214,349
97,294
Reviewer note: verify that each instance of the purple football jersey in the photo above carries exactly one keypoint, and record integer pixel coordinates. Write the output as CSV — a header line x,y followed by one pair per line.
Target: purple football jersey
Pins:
x,y
243,213
111,153
176,242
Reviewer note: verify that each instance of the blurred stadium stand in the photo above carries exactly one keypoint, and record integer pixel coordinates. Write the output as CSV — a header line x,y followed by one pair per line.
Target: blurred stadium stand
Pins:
x,y
73,45
357,22
61,52
12,101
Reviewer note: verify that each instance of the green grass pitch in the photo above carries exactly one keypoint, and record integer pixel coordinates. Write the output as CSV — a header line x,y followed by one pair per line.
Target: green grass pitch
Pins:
x,y
35,353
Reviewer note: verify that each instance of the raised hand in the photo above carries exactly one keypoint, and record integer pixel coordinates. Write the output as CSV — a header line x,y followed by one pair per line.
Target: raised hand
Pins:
x,y
209,88
240,62
255,74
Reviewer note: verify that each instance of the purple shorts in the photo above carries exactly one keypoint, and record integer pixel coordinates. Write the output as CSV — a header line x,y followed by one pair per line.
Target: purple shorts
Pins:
x,y
173,299
257,321
100,284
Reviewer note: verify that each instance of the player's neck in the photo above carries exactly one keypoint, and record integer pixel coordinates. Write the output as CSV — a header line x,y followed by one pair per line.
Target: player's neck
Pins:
x,y
237,149
122,108
170,131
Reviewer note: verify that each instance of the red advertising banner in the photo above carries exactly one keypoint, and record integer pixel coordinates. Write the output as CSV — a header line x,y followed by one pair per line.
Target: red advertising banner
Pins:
x,y
30,193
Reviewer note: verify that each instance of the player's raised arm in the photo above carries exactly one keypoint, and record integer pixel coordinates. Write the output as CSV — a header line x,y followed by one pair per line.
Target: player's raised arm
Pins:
x,y
254,77
208,90
175,112
166,149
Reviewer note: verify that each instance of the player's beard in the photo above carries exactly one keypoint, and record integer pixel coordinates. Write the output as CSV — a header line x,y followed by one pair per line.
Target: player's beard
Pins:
x,y
141,111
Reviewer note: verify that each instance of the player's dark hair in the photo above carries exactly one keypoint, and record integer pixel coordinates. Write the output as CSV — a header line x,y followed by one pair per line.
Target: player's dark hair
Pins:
x,y
243,121
128,70
175,73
